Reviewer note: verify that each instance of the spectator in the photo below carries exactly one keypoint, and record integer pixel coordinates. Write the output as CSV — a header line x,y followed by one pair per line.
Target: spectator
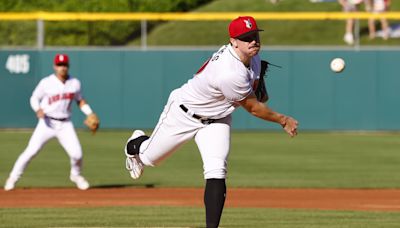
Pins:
x,y
350,6
378,6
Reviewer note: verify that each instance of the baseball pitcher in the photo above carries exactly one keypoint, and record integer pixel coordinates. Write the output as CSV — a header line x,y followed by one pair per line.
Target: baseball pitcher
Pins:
x,y
201,109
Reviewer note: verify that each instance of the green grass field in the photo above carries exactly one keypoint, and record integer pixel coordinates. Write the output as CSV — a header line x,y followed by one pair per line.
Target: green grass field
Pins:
x,y
296,32
257,159
194,217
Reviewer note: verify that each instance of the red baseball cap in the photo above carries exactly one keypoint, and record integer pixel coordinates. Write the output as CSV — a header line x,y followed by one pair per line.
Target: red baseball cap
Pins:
x,y
61,59
243,26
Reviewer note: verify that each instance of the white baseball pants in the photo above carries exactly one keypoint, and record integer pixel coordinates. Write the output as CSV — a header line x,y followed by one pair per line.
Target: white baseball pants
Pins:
x,y
44,131
175,127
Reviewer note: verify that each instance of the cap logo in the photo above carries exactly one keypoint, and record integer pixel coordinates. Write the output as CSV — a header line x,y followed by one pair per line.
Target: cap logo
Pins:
x,y
61,57
248,23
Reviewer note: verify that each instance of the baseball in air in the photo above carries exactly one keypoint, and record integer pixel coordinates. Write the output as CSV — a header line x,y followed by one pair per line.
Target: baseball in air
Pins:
x,y
337,65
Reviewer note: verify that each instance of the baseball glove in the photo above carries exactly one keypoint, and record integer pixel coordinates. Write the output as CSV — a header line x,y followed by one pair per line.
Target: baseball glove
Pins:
x,y
261,90
92,122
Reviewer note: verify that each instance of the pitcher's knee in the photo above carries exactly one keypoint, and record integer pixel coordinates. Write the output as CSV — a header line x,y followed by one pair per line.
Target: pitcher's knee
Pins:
x,y
215,168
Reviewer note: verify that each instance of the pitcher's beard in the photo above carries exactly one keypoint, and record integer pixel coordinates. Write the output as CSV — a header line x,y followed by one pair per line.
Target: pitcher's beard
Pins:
x,y
254,50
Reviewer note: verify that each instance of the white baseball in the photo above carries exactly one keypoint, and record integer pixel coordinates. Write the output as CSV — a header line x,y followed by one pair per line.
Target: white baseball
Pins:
x,y
337,65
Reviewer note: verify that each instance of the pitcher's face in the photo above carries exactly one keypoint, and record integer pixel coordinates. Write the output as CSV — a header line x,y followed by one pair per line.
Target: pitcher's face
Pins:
x,y
249,45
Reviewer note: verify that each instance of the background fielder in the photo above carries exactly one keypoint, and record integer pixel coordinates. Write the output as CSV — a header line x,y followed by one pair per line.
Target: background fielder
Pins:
x,y
201,109
51,101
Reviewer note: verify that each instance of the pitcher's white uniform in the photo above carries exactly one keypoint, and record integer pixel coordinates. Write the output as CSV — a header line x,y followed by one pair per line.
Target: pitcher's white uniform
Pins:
x,y
211,94
202,108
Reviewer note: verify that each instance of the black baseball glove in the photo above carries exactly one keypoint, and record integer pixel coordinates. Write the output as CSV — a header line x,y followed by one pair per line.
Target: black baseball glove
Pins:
x,y
261,90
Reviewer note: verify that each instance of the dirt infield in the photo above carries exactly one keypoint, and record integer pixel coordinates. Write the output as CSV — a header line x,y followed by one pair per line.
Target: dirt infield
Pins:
x,y
325,199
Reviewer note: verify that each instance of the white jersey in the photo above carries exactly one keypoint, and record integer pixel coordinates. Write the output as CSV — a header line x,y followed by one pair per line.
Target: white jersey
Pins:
x,y
55,97
221,82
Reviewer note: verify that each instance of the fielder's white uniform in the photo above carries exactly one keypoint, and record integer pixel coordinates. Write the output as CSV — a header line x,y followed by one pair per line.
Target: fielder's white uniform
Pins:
x,y
54,98
211,94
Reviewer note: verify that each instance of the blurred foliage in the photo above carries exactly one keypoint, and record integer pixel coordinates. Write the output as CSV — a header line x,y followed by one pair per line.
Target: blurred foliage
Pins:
x,y
276,32
179,33
82,33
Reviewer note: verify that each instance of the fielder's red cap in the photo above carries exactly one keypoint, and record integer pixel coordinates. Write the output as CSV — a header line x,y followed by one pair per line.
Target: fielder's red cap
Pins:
x,y
242,26
61,59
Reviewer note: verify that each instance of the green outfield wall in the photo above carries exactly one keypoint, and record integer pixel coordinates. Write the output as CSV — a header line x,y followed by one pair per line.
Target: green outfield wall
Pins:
x,y
128,89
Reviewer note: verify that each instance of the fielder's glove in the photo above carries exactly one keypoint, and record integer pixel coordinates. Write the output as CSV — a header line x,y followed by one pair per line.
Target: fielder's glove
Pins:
x,y
261,90
92,122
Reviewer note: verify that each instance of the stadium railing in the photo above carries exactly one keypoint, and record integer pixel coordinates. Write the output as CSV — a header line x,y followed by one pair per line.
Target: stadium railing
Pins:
x,y
41,17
